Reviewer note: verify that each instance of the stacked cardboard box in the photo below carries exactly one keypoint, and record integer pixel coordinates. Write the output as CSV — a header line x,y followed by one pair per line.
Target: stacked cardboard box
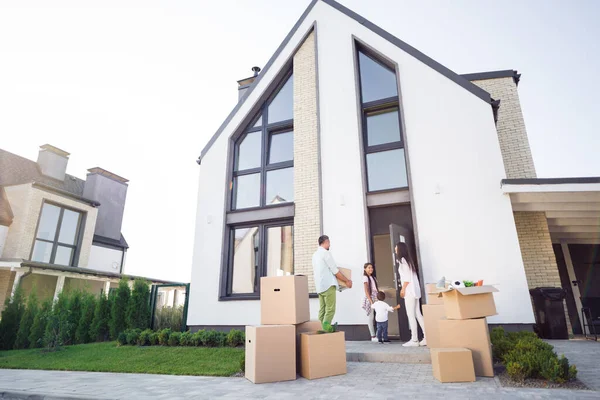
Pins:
x,y
461,324
286,342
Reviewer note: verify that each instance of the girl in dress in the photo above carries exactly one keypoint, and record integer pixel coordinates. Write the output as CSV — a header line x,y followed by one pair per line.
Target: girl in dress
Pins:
x,y
371,290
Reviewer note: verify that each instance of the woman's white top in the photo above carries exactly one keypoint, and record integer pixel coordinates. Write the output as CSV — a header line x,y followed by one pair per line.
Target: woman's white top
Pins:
x,y
408,275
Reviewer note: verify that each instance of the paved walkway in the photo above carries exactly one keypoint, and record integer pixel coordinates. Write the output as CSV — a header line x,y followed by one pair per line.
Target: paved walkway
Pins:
x,y
585,354
364,380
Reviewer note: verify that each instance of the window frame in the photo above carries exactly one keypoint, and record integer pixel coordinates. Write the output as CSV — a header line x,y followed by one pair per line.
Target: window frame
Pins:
x,y
266,130
76,248
388,104
225,292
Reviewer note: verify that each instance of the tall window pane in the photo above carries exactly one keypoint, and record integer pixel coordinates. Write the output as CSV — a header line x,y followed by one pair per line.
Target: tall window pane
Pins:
x,y
280,186
386,170
48,222
249,152
247,191
280,251
382,128
41,251
281,147
377,82
63,255
68,227
245,260
282,106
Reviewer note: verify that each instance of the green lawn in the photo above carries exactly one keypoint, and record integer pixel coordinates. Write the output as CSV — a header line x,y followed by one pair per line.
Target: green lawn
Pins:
x,y
107,357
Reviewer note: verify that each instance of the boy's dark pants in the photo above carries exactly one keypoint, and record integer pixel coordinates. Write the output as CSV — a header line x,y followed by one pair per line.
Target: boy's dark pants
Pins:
x,y
382,331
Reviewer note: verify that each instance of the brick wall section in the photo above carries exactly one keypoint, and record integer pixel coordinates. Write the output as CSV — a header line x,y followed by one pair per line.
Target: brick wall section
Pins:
x,y
512,135
7,278
307,195
537,252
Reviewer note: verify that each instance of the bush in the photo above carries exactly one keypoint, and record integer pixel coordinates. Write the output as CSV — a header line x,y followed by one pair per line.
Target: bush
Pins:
x,y
198,338
214,339
88,306
11,317
122,339
168,317
133,336
175,339
58,326
26,323
153,338
163,336
118,314
138,309
144,338
186,339
516,371
503,343
558,370
74,304
36,335
236,338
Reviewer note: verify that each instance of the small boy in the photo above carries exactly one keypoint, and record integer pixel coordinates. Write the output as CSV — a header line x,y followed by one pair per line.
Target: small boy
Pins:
x,y
381,317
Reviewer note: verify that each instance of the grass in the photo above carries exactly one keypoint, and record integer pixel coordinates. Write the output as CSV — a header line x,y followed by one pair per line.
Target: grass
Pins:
x,y
107,357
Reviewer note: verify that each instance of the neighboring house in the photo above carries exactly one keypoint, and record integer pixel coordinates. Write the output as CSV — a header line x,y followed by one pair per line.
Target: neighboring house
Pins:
x,y
57,231
371,142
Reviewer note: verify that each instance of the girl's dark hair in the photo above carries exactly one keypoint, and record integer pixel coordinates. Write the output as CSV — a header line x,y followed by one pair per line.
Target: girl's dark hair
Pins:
x,y
403,252
372,276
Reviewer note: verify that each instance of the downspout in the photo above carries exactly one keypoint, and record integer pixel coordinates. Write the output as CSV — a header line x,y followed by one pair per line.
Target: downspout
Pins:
x,y
122,260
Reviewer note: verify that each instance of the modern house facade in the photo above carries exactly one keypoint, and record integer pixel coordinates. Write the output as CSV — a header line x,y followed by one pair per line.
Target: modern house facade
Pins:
x,y
350,132
58,232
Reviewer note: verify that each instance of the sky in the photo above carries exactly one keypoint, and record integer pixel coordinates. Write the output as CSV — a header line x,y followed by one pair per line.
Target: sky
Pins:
x,y
139,87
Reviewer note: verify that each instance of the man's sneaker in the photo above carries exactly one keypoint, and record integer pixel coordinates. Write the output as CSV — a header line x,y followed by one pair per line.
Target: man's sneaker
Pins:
x,y
387,341
411,344
381,342
374,339
423,342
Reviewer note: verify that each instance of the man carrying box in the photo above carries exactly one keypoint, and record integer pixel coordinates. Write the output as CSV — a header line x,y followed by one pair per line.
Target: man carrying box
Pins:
x,y
325,273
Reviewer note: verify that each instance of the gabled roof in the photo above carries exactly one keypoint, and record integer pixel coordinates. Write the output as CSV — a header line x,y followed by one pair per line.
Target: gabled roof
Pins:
x,y
461,81
102,240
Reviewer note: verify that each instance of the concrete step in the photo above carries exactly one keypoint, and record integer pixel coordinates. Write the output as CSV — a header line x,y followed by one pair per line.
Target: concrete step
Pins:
x,y
386,353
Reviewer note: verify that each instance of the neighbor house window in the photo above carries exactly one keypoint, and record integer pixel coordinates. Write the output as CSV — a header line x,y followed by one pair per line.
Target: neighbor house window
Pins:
x,y
263,170
256,251
57,235
382,138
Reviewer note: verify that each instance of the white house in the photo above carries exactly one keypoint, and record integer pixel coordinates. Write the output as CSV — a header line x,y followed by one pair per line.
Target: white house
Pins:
x,y
364,138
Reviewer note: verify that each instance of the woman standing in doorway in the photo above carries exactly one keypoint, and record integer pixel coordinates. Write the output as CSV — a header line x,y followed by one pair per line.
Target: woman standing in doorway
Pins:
x,y
411,293
371,290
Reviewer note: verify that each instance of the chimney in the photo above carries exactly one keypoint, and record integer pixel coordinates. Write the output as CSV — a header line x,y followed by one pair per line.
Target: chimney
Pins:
x,y
110,191
53,162
244,84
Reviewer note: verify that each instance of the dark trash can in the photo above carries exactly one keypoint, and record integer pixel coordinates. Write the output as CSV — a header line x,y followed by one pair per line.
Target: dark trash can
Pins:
x,y
549,312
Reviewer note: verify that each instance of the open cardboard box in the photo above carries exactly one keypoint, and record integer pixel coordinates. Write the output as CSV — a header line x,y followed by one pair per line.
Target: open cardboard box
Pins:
x,y
432,314
284,300
305,327
468,302
347,272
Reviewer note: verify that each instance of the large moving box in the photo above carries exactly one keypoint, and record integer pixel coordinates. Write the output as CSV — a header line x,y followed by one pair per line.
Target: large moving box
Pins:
x,y
434,297
432,314
305,327
284,300
270,353
322,354
472,334
348,274
470,302
452,365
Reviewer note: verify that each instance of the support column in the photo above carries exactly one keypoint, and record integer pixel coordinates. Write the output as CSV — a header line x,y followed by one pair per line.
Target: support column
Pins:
x,y
106,288
573,278
16,282
60,283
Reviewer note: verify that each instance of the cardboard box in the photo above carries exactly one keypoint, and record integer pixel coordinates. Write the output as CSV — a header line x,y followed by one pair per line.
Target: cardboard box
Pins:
x,y
471,302
431,315
472,334
284,300
452,365
322,355
434,296
270,353
305,327
348,274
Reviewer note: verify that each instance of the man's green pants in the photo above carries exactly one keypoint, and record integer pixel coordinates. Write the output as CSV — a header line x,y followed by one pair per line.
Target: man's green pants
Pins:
x,y
327,305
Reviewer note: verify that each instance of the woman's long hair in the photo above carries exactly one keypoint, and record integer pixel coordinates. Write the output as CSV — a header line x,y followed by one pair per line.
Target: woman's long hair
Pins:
x,y
403,252
372,276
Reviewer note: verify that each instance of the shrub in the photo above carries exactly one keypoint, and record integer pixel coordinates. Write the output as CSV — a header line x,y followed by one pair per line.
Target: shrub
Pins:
x,y
118,314
214,339
243,362
58,326
503,343
88,306
122,339
236,338
168,317
11,317
153,338
36,335
198,338
144,338
558,370
163,336
516,371
186,339
74,304
175,339
26,323
133,336
138,309
99,329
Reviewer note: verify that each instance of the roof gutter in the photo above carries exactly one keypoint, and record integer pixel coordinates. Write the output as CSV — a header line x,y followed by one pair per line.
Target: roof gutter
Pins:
x,y
64,193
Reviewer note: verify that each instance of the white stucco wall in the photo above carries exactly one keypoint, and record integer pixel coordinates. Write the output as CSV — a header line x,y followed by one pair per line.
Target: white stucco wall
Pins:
x,y
3,234
466,231
105,259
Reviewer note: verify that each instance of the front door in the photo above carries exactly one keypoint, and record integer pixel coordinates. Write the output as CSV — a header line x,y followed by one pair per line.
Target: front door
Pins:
x,y
400,234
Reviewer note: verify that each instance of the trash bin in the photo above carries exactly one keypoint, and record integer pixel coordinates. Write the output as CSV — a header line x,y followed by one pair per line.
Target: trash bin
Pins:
x,y
549,312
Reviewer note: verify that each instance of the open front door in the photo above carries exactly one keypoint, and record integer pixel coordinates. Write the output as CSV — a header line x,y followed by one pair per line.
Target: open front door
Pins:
x,y
400,234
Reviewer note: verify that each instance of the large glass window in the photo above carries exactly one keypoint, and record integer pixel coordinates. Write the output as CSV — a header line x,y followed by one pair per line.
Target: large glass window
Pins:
x,y
57,235
382,135
264,155
257,251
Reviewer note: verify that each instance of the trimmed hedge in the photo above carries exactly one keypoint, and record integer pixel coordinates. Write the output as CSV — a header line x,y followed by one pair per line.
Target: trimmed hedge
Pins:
x,y
166,337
